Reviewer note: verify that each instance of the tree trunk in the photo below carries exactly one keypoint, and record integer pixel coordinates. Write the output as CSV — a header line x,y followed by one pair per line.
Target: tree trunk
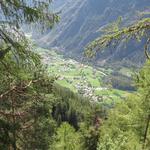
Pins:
x,y
146,131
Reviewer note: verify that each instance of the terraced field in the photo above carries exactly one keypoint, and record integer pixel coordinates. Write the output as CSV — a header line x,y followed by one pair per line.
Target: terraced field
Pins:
x,y
80,78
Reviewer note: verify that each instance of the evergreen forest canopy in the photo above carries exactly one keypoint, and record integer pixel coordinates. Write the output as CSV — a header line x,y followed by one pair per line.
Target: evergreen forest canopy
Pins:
x,y
37,114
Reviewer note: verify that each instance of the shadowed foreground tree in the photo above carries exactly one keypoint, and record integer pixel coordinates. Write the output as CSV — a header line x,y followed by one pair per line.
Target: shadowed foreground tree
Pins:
x,y
25,85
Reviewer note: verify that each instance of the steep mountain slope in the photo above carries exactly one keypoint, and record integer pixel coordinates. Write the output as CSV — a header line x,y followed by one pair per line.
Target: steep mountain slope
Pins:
x,y
80,24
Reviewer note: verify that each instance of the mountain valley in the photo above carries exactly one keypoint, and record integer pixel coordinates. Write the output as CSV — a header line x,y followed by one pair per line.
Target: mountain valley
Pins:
x,y
78,26
86,80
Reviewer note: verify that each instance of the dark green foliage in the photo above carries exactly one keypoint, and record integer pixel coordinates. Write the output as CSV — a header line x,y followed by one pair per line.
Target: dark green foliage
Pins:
x,y
5,139
22,103
63,112
72,108
119,81
41,133
90,137
24,81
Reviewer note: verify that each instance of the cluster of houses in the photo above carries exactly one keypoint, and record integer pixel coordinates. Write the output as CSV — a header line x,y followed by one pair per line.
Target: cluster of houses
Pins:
x,y
83,86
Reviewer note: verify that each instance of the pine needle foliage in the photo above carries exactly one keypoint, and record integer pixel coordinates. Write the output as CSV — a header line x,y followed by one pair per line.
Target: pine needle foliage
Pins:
x,y
136,31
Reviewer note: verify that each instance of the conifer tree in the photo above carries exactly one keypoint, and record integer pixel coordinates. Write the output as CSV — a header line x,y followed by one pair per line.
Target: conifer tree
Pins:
x,y
25,85
128,123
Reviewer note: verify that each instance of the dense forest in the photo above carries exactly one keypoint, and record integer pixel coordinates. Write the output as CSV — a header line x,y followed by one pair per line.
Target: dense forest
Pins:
x,y
37,113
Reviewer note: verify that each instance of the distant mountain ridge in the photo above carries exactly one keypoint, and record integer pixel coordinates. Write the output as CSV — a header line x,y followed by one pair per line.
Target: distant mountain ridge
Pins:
x,y
81,20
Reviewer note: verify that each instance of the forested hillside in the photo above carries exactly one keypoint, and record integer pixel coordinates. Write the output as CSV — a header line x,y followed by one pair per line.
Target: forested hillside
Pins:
x,y
49,101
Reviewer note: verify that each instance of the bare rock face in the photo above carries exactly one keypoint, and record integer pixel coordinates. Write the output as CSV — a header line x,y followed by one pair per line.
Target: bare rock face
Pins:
x,y
81,20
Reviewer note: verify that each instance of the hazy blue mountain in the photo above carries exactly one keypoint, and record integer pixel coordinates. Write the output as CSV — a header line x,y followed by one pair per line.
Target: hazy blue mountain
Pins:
x,y
81,21
59,4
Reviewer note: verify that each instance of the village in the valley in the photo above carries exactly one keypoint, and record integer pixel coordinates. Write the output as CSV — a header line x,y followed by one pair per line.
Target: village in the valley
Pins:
x,y
80,78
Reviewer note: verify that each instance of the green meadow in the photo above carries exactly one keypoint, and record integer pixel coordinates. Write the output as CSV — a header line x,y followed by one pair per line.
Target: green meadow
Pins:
x,y
80,78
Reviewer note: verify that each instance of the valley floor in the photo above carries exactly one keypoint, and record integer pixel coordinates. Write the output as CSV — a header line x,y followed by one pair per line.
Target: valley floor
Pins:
x,y
81,78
